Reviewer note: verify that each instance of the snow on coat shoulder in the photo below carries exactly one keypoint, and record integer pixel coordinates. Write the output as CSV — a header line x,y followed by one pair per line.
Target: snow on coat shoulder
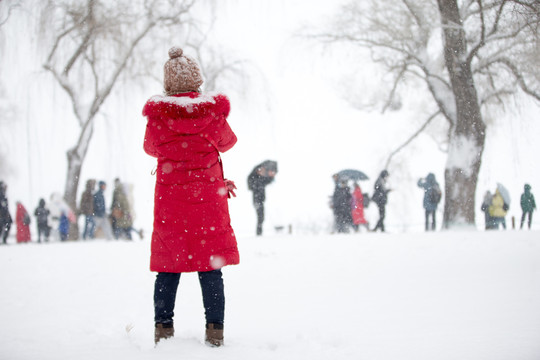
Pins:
x,y
192,230
189,106
194,113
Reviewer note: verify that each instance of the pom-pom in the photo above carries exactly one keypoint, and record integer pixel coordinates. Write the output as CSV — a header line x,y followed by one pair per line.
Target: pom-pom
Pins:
x,y
175,52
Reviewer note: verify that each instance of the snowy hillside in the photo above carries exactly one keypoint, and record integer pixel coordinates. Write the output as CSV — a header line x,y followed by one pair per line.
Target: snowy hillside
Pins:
x,y
435,296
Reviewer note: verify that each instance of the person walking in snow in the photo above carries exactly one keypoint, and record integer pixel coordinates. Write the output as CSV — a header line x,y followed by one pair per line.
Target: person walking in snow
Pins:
x,y
357,208
341,201
86,208
432,197
63,226
497,210
100,212
380,197
486,203
186,131
120,211
42,216
528,205
5,216
57,206
258,179
22,219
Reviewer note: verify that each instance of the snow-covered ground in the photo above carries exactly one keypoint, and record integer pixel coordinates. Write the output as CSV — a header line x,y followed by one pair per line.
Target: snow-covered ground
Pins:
x,y
446,295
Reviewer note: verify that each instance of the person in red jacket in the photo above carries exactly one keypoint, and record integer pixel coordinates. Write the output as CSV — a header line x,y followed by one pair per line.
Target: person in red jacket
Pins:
x,y
357,210
23,224
186,130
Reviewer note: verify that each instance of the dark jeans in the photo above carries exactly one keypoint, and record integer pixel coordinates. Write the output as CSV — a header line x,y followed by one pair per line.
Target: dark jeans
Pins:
x,y
523,219
498,220
433,222
259,207
119,232
4,231
43,230
89,227
212,292
382,214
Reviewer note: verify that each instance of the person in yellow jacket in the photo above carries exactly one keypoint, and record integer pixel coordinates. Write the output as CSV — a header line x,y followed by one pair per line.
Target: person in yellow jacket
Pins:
x,y
497,210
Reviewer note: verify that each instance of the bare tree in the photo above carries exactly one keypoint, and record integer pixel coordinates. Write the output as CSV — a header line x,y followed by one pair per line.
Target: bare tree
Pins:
x,y
7,6
6,108
93,42
487,53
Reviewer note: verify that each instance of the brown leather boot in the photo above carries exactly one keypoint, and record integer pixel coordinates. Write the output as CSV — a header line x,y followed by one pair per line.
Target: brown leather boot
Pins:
x,y
163,331
214,335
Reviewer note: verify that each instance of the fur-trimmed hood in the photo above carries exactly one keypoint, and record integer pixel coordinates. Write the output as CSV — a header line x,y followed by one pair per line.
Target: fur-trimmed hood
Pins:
x,y
188,113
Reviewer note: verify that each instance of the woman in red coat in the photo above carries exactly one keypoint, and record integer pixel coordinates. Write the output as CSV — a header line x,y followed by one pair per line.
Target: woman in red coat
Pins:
x,y
186,131
23,224
357,211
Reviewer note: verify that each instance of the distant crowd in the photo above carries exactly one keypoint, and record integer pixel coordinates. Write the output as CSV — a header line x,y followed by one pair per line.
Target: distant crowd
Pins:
x,y
348,205
58,221
495,207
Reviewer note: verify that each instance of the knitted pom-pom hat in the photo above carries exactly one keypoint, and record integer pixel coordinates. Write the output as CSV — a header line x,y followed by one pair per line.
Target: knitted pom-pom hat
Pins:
x,y
181,73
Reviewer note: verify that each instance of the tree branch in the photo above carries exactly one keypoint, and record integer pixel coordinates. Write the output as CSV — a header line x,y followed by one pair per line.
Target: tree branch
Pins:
x,y
397,80
88,18
519,77
10,10
411,138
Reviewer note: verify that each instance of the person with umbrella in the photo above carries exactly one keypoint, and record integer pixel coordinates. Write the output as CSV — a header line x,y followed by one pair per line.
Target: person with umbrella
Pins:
x,y
348,207
357,205
498,209
380,197
261,176
341,204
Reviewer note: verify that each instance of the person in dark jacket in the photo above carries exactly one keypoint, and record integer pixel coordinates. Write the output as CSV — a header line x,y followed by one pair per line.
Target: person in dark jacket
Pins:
x,y
5,216
486,203
528,205
100,214
42,216
86,208
341,202
120,211
257,182
380,197
432,197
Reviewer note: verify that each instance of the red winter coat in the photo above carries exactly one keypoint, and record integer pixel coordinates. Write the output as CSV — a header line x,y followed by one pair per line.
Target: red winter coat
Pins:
x,y
192,230
23,230
357,211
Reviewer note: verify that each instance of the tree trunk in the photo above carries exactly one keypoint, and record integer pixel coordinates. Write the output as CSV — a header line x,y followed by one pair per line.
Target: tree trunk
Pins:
x,y
467,136
72,185
72,180
76,157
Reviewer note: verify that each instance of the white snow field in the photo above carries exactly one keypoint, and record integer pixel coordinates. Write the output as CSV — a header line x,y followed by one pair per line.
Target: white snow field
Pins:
x,y
468,295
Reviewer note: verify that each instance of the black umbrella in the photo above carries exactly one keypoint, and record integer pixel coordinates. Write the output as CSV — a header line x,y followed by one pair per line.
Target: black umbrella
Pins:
x,y
351,174
258,178
268,165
